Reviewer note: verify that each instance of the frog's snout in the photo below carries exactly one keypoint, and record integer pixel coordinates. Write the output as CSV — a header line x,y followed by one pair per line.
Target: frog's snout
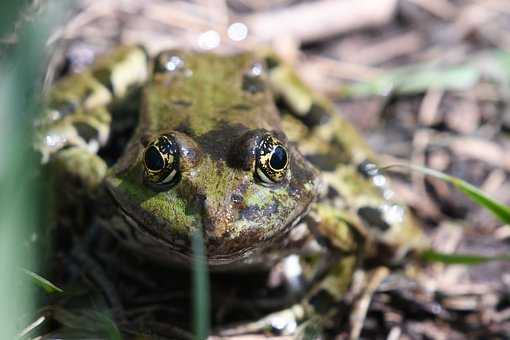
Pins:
x,y
217,217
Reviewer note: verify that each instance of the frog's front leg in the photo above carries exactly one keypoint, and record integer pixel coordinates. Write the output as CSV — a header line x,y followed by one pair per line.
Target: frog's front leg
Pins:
x,y
337,232
76,120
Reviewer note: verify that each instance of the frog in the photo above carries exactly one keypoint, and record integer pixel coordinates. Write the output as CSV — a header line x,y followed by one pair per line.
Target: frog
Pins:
x,y
234,148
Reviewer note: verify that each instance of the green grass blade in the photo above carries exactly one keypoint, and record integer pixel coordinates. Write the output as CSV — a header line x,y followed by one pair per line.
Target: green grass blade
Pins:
x,y
415,79
463,259
500,210
110,328
83,323
200,288
493,65
42,282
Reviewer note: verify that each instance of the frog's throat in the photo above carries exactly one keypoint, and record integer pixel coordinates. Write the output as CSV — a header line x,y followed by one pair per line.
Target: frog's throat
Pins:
x,y
143,236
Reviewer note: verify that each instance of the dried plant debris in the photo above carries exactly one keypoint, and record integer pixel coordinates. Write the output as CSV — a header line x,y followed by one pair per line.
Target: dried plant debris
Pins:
x,y
427,82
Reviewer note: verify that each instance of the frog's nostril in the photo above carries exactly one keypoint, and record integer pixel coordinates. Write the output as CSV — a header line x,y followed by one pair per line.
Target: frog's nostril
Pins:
x,y
236,199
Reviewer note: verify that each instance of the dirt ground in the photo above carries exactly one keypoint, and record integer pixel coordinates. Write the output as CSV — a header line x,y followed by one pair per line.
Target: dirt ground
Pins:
x,y
447,109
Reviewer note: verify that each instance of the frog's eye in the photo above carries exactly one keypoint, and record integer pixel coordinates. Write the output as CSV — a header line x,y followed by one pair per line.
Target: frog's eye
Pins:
x,y
161,161
272,160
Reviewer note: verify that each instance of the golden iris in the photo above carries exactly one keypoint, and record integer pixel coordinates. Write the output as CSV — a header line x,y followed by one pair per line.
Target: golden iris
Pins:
x,y
272,160
161,160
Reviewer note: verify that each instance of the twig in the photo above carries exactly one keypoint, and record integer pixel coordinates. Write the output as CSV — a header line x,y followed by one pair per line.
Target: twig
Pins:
x,y
321,19
361,307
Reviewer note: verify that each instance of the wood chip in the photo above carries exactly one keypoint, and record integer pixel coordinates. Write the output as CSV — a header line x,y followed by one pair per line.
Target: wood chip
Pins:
x,y
360,309
429,109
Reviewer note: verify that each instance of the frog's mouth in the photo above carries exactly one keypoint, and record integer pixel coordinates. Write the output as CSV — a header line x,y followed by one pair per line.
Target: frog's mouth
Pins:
x,y
142,238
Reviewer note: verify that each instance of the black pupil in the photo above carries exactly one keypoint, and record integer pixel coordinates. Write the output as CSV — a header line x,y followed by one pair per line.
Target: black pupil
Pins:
x,y
278,158
153,159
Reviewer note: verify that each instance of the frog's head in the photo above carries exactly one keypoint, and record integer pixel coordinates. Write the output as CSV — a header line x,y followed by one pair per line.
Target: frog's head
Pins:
x,y
242,189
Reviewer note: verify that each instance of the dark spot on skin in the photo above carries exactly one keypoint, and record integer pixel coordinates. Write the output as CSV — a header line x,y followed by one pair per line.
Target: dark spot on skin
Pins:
x,y
144,51
335,155
87,94
324,162
373,217
194,197
109,85
271,63
104,77
317,115
256,213
182,103
159,67
240,107
368,169
86,131
332,193
153,159
253,84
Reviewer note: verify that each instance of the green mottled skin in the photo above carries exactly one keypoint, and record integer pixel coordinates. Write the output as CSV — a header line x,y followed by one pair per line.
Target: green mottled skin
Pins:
x,y
206,106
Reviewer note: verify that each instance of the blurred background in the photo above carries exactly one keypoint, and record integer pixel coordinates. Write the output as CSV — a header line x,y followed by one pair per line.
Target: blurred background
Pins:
x,y
425,81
